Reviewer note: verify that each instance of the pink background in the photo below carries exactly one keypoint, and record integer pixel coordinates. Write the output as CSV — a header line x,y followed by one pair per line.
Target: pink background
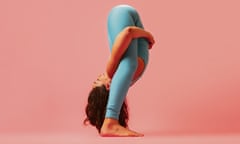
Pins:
x,y
52,50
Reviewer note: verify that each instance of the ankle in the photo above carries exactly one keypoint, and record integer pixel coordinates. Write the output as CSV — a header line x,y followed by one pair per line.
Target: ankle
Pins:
x,y
110,121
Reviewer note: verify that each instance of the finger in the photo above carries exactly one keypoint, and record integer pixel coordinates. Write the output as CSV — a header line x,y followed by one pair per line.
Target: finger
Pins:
x,y
150,46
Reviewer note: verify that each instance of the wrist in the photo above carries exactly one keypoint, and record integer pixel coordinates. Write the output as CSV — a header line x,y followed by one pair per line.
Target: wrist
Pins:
x,y
107,76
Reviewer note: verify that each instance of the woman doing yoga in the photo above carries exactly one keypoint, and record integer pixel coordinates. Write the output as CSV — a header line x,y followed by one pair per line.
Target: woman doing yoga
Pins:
x,y
129,44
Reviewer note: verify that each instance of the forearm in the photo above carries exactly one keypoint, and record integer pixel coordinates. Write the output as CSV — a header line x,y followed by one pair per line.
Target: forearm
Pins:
x,y
111,68
138,32
119,47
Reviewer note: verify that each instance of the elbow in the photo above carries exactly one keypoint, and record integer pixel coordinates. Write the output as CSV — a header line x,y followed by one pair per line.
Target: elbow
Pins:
x,y
129,31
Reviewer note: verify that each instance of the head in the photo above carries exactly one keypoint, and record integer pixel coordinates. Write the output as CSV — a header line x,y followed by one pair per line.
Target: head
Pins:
x,y
96,106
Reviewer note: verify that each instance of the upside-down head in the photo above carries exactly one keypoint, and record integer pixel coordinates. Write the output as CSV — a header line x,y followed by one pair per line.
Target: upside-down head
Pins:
x,y
96,108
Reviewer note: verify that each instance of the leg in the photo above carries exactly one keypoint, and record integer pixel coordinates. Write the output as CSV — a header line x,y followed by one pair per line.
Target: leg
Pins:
x,y
143,52
119,18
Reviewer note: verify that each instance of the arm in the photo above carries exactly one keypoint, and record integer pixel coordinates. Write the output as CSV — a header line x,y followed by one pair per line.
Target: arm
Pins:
x,y
120,45
138,32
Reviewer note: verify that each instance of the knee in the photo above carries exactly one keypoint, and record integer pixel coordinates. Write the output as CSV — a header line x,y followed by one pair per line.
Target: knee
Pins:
x,y
125,8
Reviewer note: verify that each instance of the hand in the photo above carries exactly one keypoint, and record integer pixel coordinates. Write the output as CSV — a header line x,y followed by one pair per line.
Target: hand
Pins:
x,y
103,79
108,81
151,40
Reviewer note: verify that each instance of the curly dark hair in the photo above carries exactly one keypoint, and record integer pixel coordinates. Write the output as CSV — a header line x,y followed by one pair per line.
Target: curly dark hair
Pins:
x,y
96,108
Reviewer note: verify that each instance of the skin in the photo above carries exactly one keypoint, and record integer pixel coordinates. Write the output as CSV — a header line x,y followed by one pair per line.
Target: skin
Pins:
x,y
111,127
103,79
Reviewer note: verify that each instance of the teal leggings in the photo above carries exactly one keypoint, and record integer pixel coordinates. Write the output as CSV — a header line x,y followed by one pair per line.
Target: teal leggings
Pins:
x,y
120,17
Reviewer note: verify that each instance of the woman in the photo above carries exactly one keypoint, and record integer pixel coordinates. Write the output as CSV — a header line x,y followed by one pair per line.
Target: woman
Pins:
x,y
129,44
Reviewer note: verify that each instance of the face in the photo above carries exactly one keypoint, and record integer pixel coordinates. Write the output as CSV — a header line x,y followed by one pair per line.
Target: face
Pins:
x,y
102,80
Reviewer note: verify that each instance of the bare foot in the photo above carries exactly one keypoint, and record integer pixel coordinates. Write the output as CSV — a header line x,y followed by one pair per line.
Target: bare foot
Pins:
x,y
112,128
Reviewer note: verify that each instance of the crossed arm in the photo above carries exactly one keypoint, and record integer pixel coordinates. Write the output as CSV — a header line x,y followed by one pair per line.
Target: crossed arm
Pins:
x,y
121,43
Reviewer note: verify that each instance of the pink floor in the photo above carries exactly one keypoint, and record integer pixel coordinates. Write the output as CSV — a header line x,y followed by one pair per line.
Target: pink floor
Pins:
x,y
89,138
